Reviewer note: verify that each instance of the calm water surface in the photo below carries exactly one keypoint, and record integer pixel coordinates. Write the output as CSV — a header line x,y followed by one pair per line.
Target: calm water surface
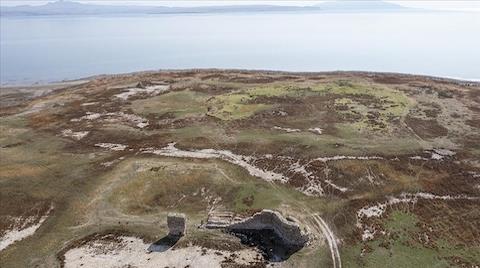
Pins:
x,y
56,48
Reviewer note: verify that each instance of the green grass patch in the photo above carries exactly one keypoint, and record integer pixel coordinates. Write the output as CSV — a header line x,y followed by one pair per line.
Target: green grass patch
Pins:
x,y
180,103
321,145
235,106
240,104
255,195
400,221
191,187
398,250
371,107
470,254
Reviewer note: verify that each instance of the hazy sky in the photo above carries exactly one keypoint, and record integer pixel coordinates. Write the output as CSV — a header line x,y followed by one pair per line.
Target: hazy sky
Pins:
x,y
444,5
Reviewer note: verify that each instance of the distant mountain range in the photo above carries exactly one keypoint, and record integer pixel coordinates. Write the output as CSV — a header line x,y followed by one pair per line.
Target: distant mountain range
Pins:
x,y
63,7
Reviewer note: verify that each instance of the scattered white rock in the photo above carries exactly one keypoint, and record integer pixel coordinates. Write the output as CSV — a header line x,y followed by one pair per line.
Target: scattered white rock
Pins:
x,y
89,103
316,130
280,113
110,163
474,174
343,157
419,158
134,119
240,160
373,211
435,154
286,129
87,116
439,154
111,146
150,90
368,235
298,168
133,252
139,121
337,187
75,135
312,188
21,230
142,125
380,208
444,152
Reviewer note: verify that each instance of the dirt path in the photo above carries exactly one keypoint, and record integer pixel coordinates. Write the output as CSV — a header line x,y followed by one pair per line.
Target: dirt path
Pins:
x,y
331,239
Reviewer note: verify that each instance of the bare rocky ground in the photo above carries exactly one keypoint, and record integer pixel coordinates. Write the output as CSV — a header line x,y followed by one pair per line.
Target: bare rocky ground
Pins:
x,y
379,169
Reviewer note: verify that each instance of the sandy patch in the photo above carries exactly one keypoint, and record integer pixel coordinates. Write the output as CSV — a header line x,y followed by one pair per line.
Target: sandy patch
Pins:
x,y
133,252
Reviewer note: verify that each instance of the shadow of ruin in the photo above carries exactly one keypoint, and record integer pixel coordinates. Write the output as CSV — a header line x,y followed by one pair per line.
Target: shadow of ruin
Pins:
x,y
164,243
272,246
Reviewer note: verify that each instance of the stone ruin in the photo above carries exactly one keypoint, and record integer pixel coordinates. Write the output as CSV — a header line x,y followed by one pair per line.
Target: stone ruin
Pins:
x,y
286,228
177,224
275,236
144,84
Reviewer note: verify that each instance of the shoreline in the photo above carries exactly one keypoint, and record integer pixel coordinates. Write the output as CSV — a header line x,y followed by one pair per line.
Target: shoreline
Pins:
x,y
67,82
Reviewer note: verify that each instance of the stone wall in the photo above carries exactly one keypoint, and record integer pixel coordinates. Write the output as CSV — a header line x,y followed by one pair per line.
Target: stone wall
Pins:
x,y
176,223
289,231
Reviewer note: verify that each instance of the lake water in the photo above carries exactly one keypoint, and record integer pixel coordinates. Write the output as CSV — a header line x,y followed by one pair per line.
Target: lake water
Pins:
x,y
56,48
